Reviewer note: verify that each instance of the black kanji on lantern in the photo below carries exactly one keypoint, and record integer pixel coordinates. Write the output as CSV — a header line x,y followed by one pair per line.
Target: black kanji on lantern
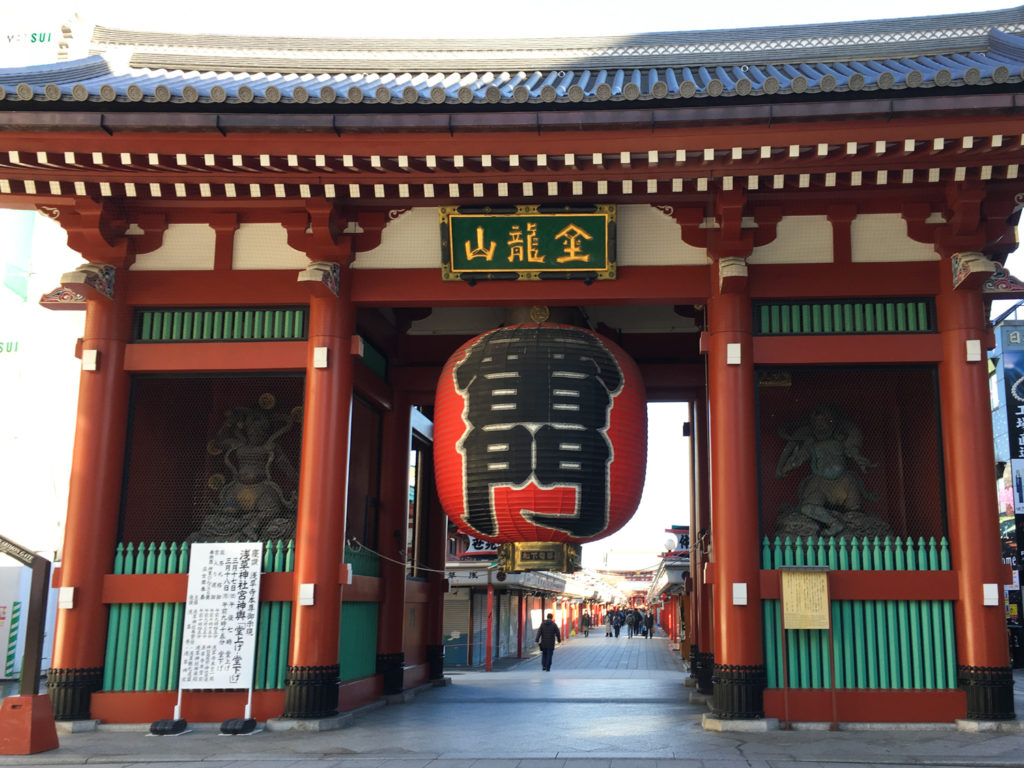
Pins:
x,y
537,404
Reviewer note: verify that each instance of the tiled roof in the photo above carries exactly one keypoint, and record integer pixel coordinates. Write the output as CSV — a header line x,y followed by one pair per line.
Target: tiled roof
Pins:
x,y
975,50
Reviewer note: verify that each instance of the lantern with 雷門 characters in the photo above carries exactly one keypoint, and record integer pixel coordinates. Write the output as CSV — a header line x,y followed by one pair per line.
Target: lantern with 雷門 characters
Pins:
x,y
540,435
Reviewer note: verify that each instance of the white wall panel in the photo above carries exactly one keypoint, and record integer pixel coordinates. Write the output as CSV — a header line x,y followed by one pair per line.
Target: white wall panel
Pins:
x,y
883,237
798,240
265,246
649,237
412,241
184,247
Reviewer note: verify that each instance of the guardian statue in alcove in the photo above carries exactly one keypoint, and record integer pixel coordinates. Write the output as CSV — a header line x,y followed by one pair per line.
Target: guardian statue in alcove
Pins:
x,y
251,505
831,497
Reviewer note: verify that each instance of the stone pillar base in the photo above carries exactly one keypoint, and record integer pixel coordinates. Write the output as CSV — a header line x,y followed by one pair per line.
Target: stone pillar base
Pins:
x,y
759,725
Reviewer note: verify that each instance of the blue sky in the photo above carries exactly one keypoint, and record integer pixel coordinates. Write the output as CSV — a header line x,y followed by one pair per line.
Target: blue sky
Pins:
x,y
463,18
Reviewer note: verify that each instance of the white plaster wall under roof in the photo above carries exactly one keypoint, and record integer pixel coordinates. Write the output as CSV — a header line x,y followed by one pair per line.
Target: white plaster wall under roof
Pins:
x,y
646,236
265,246
883,237
411,241
798,240
184,247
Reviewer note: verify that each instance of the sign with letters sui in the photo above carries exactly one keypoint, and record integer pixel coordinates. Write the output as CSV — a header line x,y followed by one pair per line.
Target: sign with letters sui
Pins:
x,y
528,242
221,607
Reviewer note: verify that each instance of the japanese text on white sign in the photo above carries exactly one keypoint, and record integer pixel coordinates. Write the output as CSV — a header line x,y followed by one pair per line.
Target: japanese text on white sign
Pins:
x,y
219,642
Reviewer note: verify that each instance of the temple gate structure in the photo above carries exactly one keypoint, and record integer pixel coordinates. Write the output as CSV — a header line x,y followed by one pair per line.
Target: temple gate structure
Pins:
x,y
809,224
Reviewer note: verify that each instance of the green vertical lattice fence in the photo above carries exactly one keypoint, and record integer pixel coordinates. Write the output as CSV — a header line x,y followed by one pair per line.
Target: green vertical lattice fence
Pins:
x,y
264,324
781,318
144,639
876,643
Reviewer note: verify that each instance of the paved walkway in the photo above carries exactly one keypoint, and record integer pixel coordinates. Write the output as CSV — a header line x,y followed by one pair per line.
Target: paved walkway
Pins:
x,y
607,703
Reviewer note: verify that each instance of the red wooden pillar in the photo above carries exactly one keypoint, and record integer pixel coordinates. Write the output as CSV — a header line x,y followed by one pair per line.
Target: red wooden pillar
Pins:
x,y
489,664
94,495
983,660
391,533
311,680
436,578
702,656
739,673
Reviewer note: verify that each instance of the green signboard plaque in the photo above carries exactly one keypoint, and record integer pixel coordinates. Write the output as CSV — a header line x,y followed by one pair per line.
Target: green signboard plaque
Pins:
x,y
528,242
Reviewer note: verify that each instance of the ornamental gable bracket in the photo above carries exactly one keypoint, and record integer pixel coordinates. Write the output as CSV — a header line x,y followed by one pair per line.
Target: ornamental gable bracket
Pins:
x,y
91,281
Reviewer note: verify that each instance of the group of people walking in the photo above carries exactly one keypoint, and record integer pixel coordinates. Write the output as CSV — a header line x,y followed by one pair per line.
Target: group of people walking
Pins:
x,y
637,622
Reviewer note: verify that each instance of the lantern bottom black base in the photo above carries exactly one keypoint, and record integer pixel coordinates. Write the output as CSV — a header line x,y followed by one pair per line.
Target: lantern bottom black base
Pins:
x,y
390,666
738,692
989,692
311,692
70,691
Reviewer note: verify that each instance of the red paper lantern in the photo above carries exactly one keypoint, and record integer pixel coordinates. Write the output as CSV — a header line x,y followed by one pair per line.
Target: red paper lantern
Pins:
x,y
540,434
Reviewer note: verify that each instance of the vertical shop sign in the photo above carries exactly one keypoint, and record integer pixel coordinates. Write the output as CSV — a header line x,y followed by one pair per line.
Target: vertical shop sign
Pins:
x,y
219,641
1013,379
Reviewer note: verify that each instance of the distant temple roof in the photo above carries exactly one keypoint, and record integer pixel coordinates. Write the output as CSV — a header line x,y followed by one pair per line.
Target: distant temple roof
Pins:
x,y
973,50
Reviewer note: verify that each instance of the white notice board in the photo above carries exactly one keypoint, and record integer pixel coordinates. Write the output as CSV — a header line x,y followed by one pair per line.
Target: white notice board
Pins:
x,y
218,645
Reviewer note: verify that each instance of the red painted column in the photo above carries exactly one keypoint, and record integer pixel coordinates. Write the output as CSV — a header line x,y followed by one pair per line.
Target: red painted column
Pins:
x,y
391,535
437,578
739,663
312,676
703,651
489,663
982,650
94,500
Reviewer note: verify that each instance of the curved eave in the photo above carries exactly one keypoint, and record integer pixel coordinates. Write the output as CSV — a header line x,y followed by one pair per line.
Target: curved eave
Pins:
x,y
996,60
188,89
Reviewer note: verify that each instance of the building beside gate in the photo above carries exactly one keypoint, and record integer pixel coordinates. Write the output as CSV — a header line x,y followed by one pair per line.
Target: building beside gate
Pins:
x,y
807,225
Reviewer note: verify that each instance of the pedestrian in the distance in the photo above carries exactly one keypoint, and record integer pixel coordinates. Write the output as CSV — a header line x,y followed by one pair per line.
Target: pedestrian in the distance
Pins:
x,y
608,624
585,624
547,636
649,623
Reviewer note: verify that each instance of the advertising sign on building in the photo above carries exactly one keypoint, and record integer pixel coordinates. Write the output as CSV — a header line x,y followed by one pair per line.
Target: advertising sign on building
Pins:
x,y
1013,380
219,640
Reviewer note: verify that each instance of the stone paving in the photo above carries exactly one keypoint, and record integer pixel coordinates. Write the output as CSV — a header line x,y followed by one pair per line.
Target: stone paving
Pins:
x,y
606,703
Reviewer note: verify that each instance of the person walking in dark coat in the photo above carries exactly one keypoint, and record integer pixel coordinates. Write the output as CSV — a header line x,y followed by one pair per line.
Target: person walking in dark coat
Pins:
x,y
547,636
649,624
